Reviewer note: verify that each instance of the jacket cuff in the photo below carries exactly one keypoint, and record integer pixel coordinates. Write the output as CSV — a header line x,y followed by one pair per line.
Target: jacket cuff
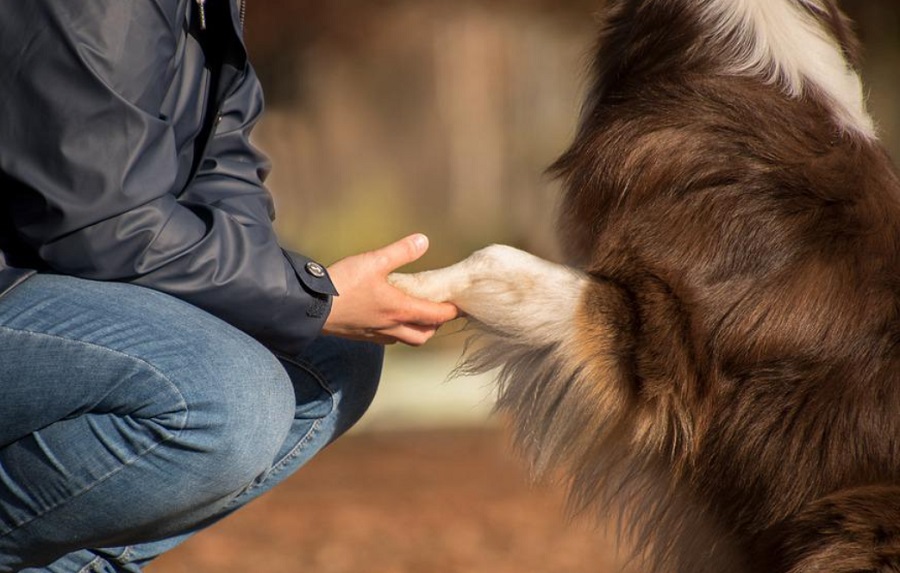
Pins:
x,y
312,275
316,282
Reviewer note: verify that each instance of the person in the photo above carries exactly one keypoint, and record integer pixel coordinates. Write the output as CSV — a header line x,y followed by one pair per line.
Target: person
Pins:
x,y
163,360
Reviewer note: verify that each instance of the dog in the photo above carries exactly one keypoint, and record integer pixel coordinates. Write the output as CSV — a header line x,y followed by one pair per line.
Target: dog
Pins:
x,y
717,365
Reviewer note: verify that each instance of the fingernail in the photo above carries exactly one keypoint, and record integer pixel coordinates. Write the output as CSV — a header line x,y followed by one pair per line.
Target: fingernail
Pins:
x,y
421,242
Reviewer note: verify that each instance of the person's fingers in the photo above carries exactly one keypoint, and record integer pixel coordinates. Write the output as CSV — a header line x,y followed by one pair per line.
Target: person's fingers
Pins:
x,y
411,334
418,311
375,337
403,252
382,339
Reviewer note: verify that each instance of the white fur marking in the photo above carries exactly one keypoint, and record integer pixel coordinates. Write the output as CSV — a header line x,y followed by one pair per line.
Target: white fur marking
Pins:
x,y
507,290
782,42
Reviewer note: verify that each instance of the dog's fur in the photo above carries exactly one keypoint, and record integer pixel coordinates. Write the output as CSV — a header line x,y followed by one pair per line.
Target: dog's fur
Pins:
x,y
719,362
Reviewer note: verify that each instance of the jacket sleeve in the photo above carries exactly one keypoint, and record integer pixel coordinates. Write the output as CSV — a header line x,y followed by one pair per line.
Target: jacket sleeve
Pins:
x,y
94,163
232,173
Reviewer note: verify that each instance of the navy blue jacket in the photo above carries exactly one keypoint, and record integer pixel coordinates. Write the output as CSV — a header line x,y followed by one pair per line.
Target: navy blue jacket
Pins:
x,y
125,156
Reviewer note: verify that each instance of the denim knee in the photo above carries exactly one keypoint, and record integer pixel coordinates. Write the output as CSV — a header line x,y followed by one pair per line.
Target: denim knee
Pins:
x,y
240,405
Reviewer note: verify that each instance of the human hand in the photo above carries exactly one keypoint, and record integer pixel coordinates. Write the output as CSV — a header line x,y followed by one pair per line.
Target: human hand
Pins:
x,y
369,308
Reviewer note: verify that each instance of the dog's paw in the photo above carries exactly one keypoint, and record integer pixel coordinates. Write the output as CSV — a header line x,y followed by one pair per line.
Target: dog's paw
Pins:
x,y
428,285
509,290
486,274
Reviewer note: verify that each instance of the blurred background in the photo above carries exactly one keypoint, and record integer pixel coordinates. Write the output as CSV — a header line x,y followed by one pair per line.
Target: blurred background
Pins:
x,y
387,117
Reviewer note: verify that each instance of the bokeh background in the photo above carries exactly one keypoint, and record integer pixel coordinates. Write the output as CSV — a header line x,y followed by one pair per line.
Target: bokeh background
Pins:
x,y
387,117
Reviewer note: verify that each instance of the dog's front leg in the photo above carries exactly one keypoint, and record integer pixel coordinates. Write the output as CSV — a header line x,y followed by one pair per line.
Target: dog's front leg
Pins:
x,y
507,290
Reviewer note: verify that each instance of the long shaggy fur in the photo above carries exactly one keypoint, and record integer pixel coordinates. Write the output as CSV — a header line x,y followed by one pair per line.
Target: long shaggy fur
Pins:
x,y
722,370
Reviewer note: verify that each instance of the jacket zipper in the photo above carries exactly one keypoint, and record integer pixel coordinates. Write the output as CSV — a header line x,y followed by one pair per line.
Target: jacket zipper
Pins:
x,y
201,9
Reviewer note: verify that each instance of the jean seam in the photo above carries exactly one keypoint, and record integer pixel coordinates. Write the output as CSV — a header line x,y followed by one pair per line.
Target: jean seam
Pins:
x,y
305,440
136,457
87,568
125,556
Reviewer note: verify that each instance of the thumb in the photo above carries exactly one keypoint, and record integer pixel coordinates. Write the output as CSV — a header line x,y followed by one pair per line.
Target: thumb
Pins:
x,y
401,253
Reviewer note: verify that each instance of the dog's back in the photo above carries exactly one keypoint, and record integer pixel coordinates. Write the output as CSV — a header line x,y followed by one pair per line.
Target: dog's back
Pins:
x,y
723,371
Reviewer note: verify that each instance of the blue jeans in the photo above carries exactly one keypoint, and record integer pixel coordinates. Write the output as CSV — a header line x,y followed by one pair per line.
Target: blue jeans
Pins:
x,y
130,419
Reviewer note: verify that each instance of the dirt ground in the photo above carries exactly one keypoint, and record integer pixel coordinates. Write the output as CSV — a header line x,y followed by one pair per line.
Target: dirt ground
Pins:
x,y
403,502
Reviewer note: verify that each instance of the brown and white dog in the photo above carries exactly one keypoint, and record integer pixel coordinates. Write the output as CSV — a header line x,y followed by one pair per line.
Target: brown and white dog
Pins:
x,y
719,363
